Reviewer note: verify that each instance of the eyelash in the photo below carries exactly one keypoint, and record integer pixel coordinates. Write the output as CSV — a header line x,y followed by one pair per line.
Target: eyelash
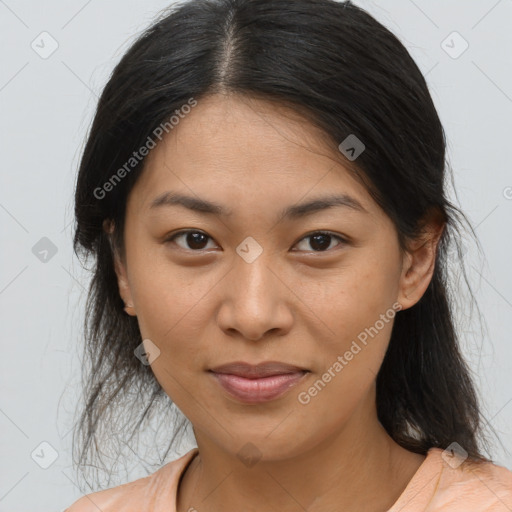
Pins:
x,y
309,235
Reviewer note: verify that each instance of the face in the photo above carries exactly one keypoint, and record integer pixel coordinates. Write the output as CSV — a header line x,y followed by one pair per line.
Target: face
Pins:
x,y
316,288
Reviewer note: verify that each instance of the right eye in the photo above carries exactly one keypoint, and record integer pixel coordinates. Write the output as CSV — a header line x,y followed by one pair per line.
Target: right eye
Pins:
x,y
191,237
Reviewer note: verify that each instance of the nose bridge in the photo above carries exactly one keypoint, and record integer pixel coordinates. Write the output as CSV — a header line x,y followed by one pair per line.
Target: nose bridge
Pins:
x,y
252,275
253,301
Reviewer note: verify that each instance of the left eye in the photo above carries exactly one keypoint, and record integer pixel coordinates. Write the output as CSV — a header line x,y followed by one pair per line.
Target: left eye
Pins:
x,y
320,240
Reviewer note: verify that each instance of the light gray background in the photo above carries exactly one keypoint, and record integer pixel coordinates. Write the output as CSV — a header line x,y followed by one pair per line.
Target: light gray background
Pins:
x,y
46,109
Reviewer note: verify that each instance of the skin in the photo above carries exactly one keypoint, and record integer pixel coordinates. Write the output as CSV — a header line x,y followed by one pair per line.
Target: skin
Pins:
x,y
204,305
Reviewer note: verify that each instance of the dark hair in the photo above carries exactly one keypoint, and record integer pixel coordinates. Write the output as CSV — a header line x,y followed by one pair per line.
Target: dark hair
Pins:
x,y
345,73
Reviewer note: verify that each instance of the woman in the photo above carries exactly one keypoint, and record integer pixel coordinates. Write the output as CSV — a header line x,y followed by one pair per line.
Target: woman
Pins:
x,y
263,192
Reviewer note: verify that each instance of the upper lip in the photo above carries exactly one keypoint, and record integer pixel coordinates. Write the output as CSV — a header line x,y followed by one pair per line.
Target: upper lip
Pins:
x,y
265,369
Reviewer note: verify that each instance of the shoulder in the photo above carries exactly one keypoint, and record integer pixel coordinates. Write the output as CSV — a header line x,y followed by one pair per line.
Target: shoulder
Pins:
x,y
146,493
482,486
122,498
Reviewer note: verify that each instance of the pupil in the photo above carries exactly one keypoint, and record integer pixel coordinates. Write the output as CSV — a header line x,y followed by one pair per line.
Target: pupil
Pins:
x,y
192,240
322,246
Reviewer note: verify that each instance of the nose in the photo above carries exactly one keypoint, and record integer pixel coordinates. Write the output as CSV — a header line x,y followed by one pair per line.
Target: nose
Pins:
x,y
256,301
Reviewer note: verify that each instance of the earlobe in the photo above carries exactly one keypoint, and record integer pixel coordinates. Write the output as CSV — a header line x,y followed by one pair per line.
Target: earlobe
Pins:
x,y
419,265
124,287
122,278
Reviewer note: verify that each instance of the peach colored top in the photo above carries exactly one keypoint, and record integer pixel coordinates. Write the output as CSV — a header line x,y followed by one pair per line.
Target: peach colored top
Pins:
x,y
435,487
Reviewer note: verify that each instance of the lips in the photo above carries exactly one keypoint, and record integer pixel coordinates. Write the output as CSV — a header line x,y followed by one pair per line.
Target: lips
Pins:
x,y
257,383
257,371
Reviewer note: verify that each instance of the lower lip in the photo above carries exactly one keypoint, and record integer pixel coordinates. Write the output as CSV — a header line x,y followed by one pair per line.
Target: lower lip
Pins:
x,y
259,390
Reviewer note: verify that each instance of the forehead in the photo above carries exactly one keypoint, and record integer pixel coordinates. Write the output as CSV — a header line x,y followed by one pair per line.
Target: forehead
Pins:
x,y
239,149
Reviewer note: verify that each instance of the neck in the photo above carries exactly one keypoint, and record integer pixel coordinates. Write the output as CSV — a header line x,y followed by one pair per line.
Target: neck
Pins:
x,y
357,468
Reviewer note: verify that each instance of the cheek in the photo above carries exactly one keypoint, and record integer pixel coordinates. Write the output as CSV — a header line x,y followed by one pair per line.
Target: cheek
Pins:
x,y
164,293
173,311
357,308
171,314
356,296
360,318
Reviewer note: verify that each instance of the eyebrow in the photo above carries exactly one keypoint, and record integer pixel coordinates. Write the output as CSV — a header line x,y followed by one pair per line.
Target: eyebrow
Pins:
x,y
291,212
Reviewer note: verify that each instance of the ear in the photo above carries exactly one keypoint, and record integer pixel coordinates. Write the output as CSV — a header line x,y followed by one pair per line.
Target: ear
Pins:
x,y
419,261
120,269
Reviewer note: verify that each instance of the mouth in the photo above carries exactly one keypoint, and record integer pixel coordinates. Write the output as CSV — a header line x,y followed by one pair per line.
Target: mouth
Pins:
x,y
258,383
